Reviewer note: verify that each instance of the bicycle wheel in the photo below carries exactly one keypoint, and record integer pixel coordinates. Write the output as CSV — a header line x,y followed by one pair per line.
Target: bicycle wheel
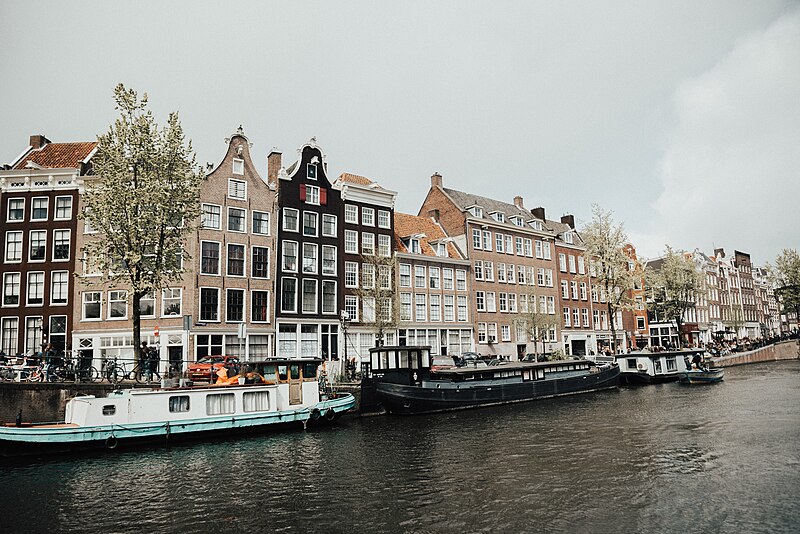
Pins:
x,y
92,374
137,374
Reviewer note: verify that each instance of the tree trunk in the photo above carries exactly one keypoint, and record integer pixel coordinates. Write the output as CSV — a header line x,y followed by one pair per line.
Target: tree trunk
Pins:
x,y
612,321
136,314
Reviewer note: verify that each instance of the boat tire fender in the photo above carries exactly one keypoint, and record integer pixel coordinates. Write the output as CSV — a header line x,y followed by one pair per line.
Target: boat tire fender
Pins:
x,y
330,415
315,414
111,442
641,367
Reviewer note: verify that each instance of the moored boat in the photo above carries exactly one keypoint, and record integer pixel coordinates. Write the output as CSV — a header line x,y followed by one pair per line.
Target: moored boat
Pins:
x,y
645,367
287,393
401,380
702,376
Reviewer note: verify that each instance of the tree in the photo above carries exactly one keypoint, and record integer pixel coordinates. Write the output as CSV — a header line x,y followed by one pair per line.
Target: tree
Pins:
x,y
143,203
785,279
672,286
610,268
377,294
535,323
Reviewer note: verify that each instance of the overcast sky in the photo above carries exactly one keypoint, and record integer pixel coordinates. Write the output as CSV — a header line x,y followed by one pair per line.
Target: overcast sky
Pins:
x,y
683,118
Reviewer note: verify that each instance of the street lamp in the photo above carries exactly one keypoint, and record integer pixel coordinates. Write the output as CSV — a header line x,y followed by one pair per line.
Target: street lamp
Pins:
x,y
344,318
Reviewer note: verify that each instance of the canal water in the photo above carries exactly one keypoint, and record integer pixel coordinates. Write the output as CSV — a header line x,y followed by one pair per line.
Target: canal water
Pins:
x,y
662,458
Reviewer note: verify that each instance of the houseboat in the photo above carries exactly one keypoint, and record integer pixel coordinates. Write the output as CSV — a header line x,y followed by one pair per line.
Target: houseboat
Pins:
x,y
285,392
702,376
400,380
646,367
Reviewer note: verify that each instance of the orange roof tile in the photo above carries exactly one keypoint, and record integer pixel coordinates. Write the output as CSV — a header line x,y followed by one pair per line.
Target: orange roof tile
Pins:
x,y
58,155
407,225
355,179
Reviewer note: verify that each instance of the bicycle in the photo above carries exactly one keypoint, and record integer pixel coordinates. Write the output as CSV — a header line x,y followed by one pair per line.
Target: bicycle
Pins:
x,y
114,372
78,373
143,372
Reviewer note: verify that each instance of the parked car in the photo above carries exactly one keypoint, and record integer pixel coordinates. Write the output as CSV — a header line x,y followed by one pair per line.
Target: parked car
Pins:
x,y
205,368
442,362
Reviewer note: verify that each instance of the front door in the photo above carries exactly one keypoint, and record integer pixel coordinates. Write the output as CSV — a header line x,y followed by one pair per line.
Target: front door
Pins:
x,y
295,384
175,360
521,348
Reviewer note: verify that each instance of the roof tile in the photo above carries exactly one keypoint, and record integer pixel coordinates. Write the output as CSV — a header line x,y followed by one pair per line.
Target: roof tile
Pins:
x,y
58,155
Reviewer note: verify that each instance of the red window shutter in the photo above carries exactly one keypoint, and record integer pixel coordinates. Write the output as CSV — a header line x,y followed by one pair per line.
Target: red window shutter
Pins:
x,y
302,192
323,196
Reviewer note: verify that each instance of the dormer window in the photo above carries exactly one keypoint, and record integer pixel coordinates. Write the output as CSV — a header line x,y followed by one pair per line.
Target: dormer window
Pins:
x,y
440,249
413,245
568,238
238,166
311,171
498,216
536,225
476,211
516,220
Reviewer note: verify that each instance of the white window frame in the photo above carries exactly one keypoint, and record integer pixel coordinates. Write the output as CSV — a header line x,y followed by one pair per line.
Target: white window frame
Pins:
x,y
233,187
253,221
218,215
55,214
284,219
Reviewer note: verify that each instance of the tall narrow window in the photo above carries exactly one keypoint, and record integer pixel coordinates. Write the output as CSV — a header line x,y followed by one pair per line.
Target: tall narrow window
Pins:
x,y
260,262
61,244
38,245
259,306
234,304
35,289
261,222
39,209
235,260
11,289
209,304
63,208
59,291
236,220
209,257
117,304
211,216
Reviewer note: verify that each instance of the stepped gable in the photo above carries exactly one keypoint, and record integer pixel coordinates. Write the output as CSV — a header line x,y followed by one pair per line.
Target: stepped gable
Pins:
x,y
58,155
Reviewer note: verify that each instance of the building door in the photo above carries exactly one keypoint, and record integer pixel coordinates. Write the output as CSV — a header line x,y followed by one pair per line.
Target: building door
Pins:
x,y
521,348
295,384
175,355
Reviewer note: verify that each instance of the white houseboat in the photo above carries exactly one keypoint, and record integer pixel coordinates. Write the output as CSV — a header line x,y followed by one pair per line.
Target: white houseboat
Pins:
x,y
646,367
289,394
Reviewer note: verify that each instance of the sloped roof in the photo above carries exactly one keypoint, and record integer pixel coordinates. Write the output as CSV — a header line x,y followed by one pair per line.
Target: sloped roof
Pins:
x,y
407,225
464,200
561,228
355,179
58,155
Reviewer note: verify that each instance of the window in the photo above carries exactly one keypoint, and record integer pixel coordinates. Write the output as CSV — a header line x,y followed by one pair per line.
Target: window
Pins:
x,y
367,243
61,244
539,250
481,332
91,305
502,299
171,301
385,276
568,238
413,245
117,304
565,313
367,276
419,276
39,209
576,319
498,216
260,262
562,262
462,308
405,306
510,273
290,256
480,300
209,304
433,278
488,271
11,288
350,274
58,331
449,312
546,250
351,307
477,239
237,189
574,286
499,241
487,240
540,276
179,403
311,171
405,275
384,245
512,302
501,272
208,345
585,317
209,257
436,307
259,306
478,269
35,289
476,211
37,245
310,251
383,219
367,216
59,287
368,311
328,260
551,305
420,307
328,225
564,289
583,291
236,220
255,401
261,222
312,195
211,216
490,302
290,219
235,260
492,332
505,332
351,214
220,403
234,304
63,208
289,295
572,264
461,280
328,296
528,248
548,277
238,166
521,278
351,241
16,209
519,248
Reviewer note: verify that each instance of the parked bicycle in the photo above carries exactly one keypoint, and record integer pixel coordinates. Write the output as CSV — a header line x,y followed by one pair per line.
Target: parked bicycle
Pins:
x,y
144,372
114,371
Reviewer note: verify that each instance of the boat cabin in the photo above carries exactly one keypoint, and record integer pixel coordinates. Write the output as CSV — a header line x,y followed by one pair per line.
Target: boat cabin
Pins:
x,y
657,365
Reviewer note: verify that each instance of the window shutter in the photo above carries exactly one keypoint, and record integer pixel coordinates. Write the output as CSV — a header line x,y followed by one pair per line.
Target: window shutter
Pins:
x,y
323,196
302,192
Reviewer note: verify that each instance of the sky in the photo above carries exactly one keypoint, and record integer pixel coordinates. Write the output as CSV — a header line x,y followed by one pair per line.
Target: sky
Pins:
x,y
682,117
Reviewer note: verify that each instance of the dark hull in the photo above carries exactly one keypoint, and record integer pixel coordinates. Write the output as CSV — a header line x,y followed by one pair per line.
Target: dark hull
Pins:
x,y
634,379
408,400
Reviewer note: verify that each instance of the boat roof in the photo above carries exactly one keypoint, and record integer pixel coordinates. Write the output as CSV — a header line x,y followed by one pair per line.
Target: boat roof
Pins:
x,y
651,355
509,366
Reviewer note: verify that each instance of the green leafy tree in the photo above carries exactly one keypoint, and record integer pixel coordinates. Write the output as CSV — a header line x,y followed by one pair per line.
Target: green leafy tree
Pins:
x,y
673,285
143,202
785,279
610,268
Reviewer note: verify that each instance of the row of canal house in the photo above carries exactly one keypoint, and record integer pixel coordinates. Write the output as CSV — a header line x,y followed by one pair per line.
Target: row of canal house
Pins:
x,y
294,263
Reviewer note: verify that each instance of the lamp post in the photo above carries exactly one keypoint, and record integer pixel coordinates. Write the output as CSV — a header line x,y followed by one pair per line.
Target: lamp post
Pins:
x,y
344,318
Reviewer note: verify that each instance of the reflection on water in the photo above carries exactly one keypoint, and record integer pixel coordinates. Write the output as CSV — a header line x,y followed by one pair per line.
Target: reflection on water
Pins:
x,y
662,458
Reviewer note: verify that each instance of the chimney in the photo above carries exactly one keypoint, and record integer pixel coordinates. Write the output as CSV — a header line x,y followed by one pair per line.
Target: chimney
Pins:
x,y
434,214
518,202
436,180
273,165
38,141
568,220
538,213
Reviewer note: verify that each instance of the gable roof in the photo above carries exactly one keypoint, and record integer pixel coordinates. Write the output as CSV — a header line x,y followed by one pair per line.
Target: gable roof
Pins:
x,y
354,179
57,155
465,200
406,225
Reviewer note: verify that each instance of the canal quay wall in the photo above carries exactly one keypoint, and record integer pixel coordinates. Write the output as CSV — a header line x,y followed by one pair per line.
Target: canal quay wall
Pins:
x,y
784,350
47,402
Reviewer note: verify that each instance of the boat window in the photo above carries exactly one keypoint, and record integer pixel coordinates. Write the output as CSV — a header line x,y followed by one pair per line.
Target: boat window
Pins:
x,y
540,373
310,371
109,409
283,372
413,358
269,371
256,401
384,360
526,375
403,359
631,363
294,371
220,403
179,403
392,360
426,358
671,364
